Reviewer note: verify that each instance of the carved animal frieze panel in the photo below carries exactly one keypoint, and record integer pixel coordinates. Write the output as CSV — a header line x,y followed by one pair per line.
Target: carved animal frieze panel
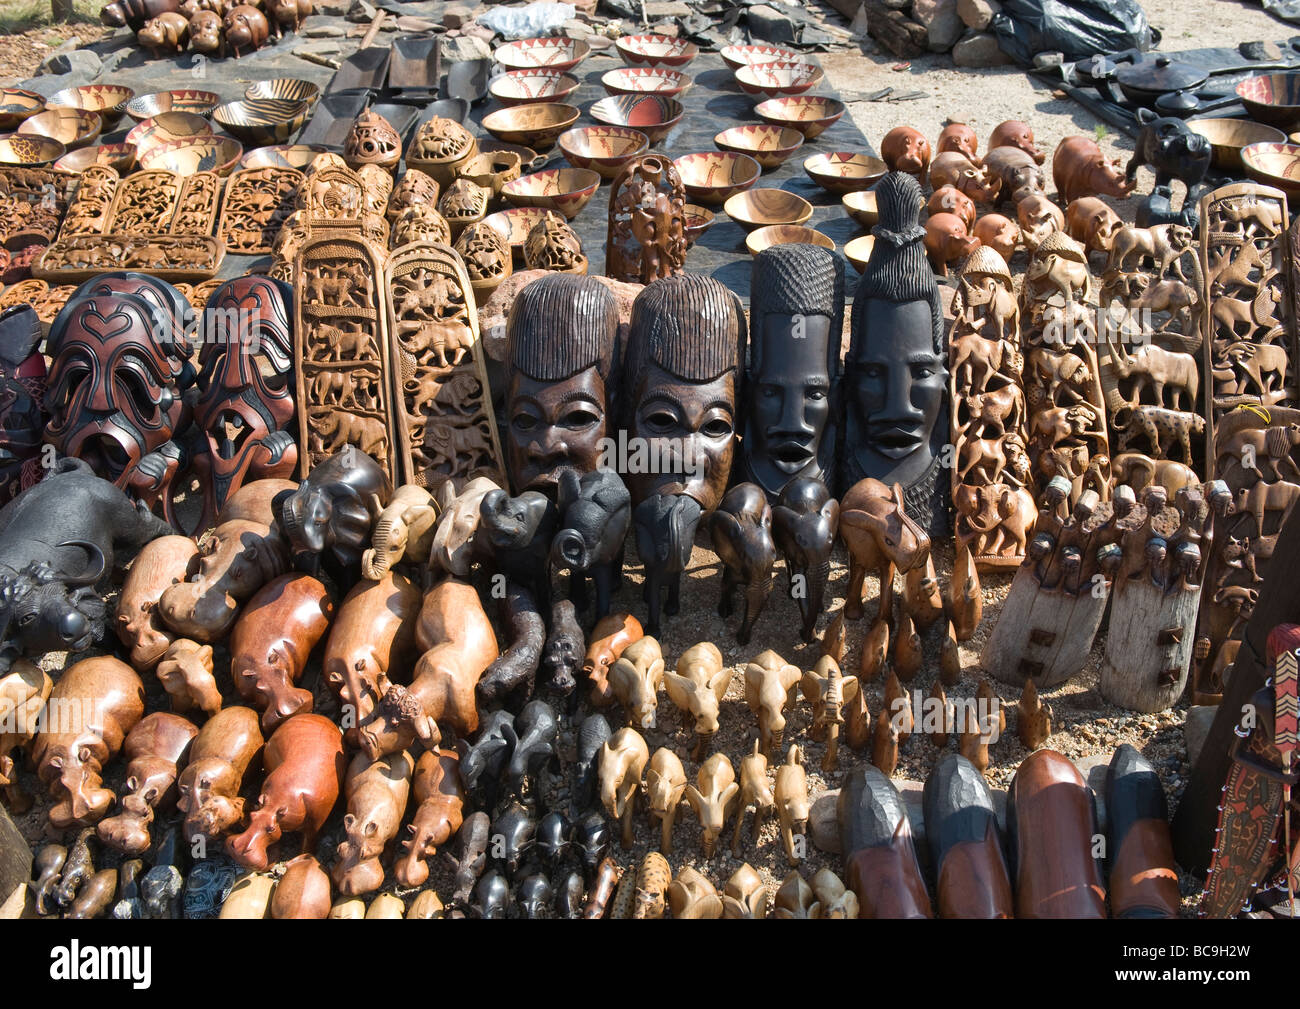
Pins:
x,y
143,203
258,202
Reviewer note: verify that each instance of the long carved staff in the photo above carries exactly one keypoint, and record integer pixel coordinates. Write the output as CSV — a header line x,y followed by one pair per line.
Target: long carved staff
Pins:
x,y
1285,676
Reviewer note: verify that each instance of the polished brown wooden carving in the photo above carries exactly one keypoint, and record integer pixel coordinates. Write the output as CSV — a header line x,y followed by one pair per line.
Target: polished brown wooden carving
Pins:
x,y
258,201
88,210
646,237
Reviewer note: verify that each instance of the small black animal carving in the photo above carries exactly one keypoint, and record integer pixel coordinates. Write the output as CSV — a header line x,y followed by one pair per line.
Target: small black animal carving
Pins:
x,y
569,893
536,729
741,529
481,764
514,833
597,511
514,538
554,835
334,509
665,535
535,897
515,670
805,520
592,735
474,835
564,650
493,896
1173,151
591,839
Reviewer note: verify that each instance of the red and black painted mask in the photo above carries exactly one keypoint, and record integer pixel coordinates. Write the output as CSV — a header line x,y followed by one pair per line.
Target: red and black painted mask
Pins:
x,y
245,407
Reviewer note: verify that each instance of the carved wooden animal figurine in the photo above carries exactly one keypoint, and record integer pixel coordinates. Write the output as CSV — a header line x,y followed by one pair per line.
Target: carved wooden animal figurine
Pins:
x,y
474,838
207,32
947,241
602,889
834,899
453,538
246,29
303,891
905,149
665,785
289,14
48,866
1091,222
881,866
953,169
250,898
635,678
373,634
828,691
880,538
1001,234
377,792
922,596
156,750
973,743
652,879
622,760
770,684
23,692
960,138
71,753
134,13
160,564
1014,133
899,705
741,530
208,790
965,603
1038,217
611,635
1019,176
536,730
95,897
805,520
795,899
938,728
949,658
592,736
554,837
792,804
713,798
1034,717
563,651
908,652
304,773
168,32
875,650
857,722
744,895
1080,169
596,511
691,895
403,532
962,830
1143,874
754,791
535,897
271,642
458,644
697,689
884,742
951,200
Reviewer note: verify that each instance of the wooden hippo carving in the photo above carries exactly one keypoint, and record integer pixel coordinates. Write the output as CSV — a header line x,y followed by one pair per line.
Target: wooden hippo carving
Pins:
x,y
458,644
611,635
304,773
271,642
91,709
156,751
377,791
23,692
185,671
160,564
208,789
439,815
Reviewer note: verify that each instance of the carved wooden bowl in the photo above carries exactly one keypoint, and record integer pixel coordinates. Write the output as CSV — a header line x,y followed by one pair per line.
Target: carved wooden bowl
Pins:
x,y
711,178
167,127
17,104
698,221
289,89
785,234
811,115
653,115
861,205
492,170
603,149
261,121
194,154
842,172
527,156
1228,136
535,126
1272,98
655,50
552,53
297,156
119,157
198,103
781,77
526,87
567,190
1274,165
29,150
645,81
515,224
108,100
758,208
859,251
741,56
770,146
72,128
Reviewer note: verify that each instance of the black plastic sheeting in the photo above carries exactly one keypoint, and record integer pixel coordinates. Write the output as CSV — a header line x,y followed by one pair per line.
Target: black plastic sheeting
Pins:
x,y
1077,28
1287,10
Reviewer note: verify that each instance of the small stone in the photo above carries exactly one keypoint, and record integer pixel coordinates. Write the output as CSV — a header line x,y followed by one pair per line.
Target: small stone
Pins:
x,y
1196,728
769,24
1260,50
407,23
977,14
323,31
331,8
942,24
824,822
1048,61
575,29
457,16
655,9
361,11
463,49
979,50
79,62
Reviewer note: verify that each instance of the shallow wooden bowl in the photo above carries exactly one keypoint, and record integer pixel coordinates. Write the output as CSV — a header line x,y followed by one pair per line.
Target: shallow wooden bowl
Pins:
x,y
785,234
17,104
167,127
29,149
199,103
698,221
653,115
861,206
261,121
1228,136
711,178
770,146
526,87
107,100
758,208
780,77
119,157
72,128
811,115
290,89
195,154
297,156
645,81
655,50
536,126
566,190
1274,165
741,56
603,149
859,251
843,172
1272,98
552,53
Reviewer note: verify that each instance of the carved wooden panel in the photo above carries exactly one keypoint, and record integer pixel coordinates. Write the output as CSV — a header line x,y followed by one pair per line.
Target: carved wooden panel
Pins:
x,y
1249,350
258,202
990,482
196,207
144,203
88,212
342,352
445,425
169,257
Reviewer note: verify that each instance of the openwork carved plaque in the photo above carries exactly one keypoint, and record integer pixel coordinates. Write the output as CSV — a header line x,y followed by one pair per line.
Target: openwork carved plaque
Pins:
x,y
444,415
258,202
196,209
90,207
169,257
144,203
341,351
